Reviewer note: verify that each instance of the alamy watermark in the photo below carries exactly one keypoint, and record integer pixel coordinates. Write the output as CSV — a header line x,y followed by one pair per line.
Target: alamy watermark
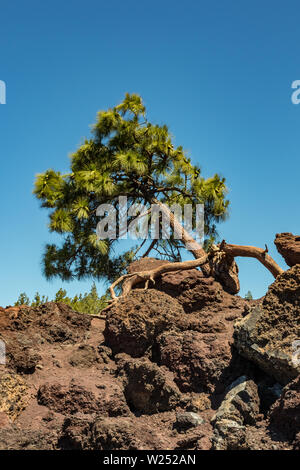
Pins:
x,y
295,98
2,352
120,221
2,92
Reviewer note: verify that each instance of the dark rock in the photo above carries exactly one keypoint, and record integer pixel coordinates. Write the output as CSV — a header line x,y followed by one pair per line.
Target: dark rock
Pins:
x,y
288,245
187,420
285,413
84,356
241,403
239,408
76,399
24,360
266,336
134,323
148,388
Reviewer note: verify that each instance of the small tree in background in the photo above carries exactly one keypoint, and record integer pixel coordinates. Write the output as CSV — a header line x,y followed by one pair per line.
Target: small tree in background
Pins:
x,y
23,299
249,295
89,302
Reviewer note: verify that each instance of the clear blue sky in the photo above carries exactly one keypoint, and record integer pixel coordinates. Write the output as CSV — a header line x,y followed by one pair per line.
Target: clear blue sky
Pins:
x,y
218,73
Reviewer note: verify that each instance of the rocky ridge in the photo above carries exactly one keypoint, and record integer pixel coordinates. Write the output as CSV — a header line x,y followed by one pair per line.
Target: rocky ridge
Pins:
x,y
183,365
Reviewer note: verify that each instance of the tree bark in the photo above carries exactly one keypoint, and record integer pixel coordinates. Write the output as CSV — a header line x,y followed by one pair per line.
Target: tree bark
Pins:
x,y
130,280
225,269
191,245
253,252
215,258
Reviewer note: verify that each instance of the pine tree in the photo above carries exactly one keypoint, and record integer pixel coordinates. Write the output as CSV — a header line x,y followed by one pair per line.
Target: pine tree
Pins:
x,y
23,299
126,156
249,295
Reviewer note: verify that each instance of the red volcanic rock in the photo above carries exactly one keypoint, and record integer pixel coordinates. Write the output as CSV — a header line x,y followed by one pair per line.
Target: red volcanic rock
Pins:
x,y
64,385
288,245
78,399
133,324
148,388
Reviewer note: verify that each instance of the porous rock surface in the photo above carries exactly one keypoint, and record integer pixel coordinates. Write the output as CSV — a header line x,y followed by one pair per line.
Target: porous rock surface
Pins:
x,y
270,333
162,372
288,245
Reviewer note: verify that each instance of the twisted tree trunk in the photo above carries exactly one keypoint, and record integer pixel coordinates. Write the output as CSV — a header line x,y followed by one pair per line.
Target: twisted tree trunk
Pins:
x,y
224,269
219,262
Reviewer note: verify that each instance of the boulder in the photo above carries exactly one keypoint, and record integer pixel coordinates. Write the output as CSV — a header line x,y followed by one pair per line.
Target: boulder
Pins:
x,y
239,408
200,362
133,324
285,413
197,360
148,388
288,245
190,288
268,334
77,399
106,434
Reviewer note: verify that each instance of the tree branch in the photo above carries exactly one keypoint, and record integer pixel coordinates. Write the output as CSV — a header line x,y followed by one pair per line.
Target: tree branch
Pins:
x,y
252,252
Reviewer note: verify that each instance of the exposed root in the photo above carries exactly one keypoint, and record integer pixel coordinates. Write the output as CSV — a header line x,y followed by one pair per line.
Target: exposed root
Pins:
x,y
130,280
220,260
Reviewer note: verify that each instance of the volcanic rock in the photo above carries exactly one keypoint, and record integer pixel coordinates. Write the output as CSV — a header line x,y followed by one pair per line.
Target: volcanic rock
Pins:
x,y
133,324
239,408
288,245
268,334
148,388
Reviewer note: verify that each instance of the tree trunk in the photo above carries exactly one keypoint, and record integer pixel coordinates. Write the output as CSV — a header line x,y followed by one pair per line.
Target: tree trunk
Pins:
x,y
224,269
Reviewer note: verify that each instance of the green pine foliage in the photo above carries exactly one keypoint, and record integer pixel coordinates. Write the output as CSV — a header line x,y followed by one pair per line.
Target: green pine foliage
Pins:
x,y
23,299
249,295
127,155
89,302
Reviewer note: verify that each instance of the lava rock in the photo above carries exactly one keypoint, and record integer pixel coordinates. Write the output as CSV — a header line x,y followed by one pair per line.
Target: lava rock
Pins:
x,y
148,388
187,420
133,324
288,245
239,408
285,413
266,336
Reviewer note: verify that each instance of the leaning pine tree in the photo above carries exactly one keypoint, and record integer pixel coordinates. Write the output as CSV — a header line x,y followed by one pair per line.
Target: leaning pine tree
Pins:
x,y
129,156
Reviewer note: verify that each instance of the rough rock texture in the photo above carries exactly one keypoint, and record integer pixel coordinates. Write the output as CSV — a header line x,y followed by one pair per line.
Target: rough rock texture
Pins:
x,y
288,245
187,420
285,413
133,324
239,408
13,394
148,388
201,362
159,373
77,399
192,290
268,335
